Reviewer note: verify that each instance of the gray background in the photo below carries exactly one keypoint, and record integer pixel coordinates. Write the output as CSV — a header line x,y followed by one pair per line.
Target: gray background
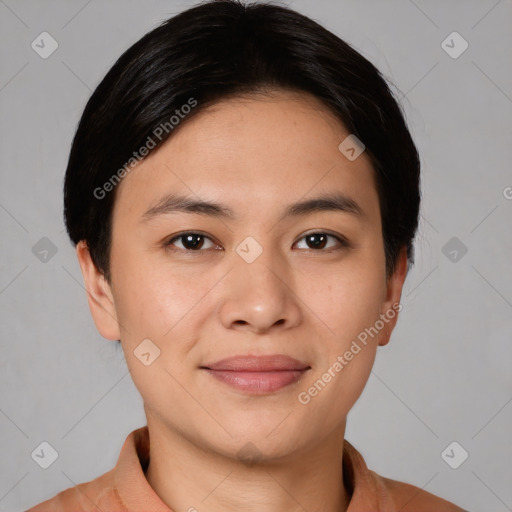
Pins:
x,y
445,376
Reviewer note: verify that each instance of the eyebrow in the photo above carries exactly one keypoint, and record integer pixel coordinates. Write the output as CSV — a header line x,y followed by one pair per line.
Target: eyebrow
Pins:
x,y
174,203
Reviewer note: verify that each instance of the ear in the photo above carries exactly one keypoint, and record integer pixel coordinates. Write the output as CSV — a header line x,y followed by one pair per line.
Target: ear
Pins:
x,y
391,306
99,295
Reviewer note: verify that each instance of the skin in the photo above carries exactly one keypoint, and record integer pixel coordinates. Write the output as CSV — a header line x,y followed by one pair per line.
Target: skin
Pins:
x,y
199,307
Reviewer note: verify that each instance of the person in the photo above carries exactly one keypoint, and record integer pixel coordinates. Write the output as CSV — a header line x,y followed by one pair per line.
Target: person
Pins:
x,y
243,194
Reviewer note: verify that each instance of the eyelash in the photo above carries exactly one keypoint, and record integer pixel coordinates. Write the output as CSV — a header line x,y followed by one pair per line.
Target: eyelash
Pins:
x,y
344,243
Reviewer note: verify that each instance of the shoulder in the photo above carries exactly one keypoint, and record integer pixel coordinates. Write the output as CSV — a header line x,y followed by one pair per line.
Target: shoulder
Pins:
x,y
85,497
371,491
409,498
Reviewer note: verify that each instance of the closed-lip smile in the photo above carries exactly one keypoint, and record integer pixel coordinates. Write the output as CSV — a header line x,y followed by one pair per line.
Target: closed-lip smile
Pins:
x,y
257,374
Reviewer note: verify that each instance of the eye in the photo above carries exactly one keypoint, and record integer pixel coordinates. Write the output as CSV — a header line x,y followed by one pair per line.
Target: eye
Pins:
x,y
191,242
318,241
197,242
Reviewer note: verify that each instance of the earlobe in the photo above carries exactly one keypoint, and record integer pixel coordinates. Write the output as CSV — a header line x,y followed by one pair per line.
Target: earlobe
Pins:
x,y
99,294
390,307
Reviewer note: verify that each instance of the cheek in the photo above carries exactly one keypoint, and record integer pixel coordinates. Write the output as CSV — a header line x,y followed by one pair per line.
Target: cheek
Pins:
x,y
143,306
156,301
152,304
346,299
349,301
350,307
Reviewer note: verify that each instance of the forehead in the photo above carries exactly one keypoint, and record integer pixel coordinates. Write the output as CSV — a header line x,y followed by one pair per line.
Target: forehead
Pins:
x,y
264,150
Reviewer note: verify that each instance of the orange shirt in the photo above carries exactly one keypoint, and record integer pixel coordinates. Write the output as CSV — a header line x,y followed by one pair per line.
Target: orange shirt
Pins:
x,y
125,488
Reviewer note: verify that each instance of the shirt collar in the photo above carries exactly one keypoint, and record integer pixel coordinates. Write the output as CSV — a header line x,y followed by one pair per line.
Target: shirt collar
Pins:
x,y
368,489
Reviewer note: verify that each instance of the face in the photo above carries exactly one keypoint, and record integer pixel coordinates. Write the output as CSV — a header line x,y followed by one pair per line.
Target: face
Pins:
x,y
250,275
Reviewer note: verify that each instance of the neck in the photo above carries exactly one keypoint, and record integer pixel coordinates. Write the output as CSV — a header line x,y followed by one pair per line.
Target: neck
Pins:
x,y
191,478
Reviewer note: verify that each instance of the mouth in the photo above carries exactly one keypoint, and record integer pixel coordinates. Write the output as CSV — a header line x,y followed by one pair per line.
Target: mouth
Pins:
x,y
257,375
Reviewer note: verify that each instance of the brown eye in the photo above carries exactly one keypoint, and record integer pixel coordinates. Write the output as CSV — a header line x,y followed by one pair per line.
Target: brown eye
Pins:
x,y
319,241
191,242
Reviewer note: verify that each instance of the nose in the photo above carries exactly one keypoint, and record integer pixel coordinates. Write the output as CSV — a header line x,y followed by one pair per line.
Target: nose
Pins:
x,y
259,297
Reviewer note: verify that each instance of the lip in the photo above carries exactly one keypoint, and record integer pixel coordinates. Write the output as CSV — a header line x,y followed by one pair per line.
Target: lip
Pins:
x,y
258,374
267,363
